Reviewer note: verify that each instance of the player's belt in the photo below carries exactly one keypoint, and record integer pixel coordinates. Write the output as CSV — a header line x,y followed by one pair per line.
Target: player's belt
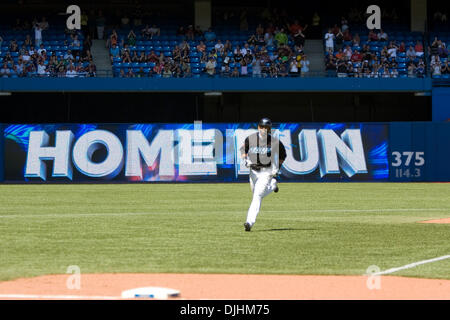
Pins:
x,y
258,167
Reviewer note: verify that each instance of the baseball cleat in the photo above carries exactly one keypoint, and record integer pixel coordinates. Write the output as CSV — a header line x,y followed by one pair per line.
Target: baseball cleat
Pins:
x,y
247,226
276,189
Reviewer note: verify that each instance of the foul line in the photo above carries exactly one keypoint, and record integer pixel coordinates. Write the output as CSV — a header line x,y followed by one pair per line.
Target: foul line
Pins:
x,y
70,215
411,265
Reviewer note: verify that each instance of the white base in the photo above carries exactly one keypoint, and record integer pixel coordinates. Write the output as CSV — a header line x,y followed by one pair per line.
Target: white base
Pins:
x,y
150,292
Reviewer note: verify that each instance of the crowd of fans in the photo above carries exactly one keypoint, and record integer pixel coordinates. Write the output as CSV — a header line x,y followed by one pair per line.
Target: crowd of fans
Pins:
x,y
347,55
30,57
439,52
269,51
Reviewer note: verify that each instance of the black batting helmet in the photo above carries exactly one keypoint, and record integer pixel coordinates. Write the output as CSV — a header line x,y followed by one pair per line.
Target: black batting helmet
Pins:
x,y
265,122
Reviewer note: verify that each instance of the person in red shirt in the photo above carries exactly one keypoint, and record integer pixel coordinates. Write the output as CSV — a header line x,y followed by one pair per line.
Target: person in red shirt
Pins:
x,y
419,48
347,35
402,47
372,36
295,27
356,56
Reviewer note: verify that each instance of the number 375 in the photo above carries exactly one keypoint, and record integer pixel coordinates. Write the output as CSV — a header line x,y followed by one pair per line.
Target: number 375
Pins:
x,y
408,156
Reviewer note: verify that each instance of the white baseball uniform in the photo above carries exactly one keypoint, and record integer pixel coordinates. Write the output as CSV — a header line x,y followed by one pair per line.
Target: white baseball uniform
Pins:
x,y
263,156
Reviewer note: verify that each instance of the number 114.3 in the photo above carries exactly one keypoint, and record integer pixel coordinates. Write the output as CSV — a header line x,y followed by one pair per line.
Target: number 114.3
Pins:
x,y
407,173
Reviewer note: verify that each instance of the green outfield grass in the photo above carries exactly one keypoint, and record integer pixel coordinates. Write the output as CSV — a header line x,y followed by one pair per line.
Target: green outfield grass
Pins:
x,y
321,228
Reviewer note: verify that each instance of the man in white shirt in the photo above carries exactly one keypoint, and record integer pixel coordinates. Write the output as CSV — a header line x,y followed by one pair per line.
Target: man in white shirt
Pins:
x,y
392,51
68,55
245,49
71,72
219,46
41,49
26,57
382,36
37,34
41,69
329,40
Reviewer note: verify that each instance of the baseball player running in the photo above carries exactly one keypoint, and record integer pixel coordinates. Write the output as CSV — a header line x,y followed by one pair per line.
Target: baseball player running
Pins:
x,y
264,155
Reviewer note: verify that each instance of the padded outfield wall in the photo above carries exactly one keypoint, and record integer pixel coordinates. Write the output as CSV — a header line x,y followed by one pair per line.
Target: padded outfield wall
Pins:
x,y
317,152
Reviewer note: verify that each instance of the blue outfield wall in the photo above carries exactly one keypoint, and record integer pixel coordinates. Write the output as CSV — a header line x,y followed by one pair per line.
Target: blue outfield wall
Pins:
x,y
441,103
307,84
316,152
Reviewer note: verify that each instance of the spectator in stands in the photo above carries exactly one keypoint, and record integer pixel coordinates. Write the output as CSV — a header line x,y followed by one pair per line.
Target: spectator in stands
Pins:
x,y
372,36
259,30
167,72
91,71
382,36
392,50
28,42
68,55
305,65
356,40
71,72
281,38
219,46
445,69
201,47
13,46
122,74
227,46
186,69
41,69
442,51
209,35
402,47
411,70
158,68
152,57
411,53
293,68
329,41
176,54
146,33
347,35
210,67
5,71
299,38
76,45
225,72
419,49
436,66
338,40
252,40
131,38
130,73
41,49
256,67
420,70
155,31
37,34
269,39
244,69
114,52
356,56
190,34
394,73
235,73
